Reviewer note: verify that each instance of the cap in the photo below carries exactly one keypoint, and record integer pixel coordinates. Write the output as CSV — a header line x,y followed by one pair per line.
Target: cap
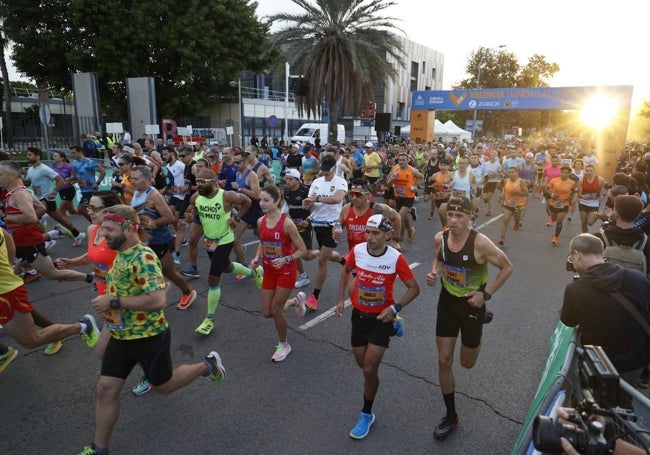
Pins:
x,y
441,146
460,204
327,163
292,173
369,144
379,222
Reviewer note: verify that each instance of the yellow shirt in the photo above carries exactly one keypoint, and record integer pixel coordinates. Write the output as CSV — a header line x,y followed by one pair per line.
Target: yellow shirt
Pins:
x,y
372,159
8,279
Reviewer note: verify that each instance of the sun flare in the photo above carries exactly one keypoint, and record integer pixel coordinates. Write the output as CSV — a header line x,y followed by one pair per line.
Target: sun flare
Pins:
x,y
599,111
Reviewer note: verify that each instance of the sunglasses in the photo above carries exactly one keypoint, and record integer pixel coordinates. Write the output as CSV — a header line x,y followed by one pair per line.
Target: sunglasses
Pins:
x,y
182,156
204,181
122,164
95,208
357,193
236,162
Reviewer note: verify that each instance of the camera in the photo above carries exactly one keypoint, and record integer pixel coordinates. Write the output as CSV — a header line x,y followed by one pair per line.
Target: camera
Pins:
x,y
587,439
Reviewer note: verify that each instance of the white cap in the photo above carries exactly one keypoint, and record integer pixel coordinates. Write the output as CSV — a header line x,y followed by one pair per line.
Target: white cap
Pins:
x,y
292,173
369,144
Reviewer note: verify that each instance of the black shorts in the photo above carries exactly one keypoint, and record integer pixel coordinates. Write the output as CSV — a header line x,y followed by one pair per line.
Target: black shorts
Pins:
x,y
254,213
179,204
30,253
85,197
456,315
162,248
306,237
324,236
439,202
367,329
389,193
428,189
558,209
371,180
479,191
68,194
404,202
586,208
490,187
152,353
219,259
50,204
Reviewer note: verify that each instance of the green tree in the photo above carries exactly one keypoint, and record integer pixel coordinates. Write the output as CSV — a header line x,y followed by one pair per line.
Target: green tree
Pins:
x,y
6,85
500,69
343,47
192,49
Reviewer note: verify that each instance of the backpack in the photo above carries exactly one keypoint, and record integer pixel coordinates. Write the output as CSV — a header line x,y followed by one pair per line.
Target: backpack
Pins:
x,y
629,257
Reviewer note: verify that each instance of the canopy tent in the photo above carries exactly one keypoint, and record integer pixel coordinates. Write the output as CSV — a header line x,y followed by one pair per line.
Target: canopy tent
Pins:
x,y
446,131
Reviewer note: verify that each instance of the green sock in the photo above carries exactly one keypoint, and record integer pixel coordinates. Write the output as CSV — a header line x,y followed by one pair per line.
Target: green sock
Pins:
x,y
240,269
214,294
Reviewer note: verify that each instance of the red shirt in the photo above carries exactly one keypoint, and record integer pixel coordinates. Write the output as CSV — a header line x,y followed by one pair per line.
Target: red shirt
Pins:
x,y
275,244
356,226
24,234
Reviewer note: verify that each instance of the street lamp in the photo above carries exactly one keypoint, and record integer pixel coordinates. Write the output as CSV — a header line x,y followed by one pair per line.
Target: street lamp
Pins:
x,y
287,76
478,85
237,84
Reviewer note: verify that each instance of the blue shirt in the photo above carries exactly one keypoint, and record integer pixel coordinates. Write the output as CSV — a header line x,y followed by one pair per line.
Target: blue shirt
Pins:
x,y
85,170
41,177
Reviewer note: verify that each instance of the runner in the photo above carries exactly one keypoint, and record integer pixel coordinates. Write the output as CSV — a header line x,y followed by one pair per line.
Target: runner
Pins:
x,y
590,191
89,175
515,194
441,183
550,172
493,175
461,258
560,190
280,246
374,306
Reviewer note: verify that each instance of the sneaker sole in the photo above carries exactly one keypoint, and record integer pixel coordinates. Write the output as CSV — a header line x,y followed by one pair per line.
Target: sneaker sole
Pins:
x,y
53,348
191,275
357,437
217,358
189,304
8,360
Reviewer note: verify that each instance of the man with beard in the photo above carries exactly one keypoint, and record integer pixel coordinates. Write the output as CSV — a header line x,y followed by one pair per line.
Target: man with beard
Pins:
x,y
133,311
213,206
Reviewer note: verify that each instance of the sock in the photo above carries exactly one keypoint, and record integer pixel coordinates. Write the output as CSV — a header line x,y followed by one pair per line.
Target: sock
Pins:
x,y
367,405
558,229
241,269
100,450
210,368
75,232
214,294
84,327
316,293
283,343
54,234
90,277
450,404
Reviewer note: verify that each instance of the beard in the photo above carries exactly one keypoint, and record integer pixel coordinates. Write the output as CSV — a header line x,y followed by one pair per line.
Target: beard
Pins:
x,y
115,243
204,190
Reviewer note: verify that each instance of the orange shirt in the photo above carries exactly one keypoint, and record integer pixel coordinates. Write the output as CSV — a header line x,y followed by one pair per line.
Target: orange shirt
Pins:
x,y
509,188
442,185
561,191
404,182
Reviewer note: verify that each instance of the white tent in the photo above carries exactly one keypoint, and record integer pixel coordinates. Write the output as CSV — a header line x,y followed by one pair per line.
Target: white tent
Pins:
x,y
453,130
406,130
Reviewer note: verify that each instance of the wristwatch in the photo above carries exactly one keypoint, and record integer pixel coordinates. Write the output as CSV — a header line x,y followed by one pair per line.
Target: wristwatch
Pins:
x,y
237,218
486,295
288,259
398,307
317,198
115,303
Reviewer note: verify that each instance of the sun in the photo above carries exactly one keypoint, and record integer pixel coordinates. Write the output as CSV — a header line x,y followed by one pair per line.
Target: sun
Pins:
x,y
599,111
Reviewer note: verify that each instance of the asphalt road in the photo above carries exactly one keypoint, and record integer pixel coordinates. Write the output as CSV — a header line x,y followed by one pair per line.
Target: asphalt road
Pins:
x,y
308,403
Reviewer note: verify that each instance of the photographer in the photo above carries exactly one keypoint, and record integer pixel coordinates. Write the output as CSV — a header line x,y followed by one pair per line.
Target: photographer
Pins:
x,y
589,302
620,447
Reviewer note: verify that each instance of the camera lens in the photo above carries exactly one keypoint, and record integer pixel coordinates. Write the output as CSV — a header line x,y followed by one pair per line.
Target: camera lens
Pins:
x,y
547,434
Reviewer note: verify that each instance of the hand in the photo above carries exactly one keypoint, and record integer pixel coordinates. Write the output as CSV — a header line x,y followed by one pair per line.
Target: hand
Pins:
x,y
101,303
340,306
431,278
308,202
278,262
386,315
234,186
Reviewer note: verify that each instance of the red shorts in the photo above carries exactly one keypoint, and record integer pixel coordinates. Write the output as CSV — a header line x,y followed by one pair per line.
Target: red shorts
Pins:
x,y
280,280
12,301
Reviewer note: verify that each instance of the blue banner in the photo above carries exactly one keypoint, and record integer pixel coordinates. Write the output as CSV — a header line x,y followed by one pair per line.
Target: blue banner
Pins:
x,y
518,98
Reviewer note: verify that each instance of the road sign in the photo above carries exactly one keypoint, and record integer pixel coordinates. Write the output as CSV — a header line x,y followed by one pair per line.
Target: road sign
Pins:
x,y
273,122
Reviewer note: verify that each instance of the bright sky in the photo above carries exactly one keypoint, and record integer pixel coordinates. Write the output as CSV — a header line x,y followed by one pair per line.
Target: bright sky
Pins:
x,y
594,43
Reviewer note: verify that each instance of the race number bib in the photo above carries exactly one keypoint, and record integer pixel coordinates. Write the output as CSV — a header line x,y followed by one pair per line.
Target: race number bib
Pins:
x,y
559,203
210,245
272,250
512,202
113,319
371,295
455,275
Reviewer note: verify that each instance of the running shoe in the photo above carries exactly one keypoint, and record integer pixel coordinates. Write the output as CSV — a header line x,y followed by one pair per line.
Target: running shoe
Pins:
x,y
88,450
554,240
49,244
445,427
78,240
218,372
53,348
192,272
7,358
258,275
430,216
643,380
177,257
362,428
142,387
489,315
488,213
311,303
28,277
65,232
414,213
91,334
411,234
569,218
301,309
398,326
186,300
43,220
241,277
281,352
302,281
502,241
549,224
206,327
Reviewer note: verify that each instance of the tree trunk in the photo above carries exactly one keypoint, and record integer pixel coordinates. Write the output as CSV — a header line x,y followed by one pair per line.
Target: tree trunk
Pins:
x,y
333,107
6,90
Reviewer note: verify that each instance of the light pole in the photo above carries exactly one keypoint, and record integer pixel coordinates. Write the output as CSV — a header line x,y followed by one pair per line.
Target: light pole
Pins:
x,y
237,84
478,85
287,76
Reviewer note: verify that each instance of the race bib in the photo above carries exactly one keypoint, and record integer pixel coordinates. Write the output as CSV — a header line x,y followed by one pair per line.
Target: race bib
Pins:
x,y
512,202
559,203
371,295
458,193
272,250
113,319
210,245
455,275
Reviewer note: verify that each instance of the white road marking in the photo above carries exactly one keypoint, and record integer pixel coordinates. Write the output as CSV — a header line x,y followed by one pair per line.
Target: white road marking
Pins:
x,y
332,311
490,221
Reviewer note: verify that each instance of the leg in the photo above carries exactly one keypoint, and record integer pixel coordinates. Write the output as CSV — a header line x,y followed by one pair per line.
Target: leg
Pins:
x,y
240,228
107,409
446,347
45,265
196,230
169,271
507,215
369,358
23,330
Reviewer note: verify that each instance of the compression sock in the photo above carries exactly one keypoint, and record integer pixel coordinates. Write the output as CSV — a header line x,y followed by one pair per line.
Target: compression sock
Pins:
x,y
241,269
558,229
214,294
450,404
316,293
74,232
367,405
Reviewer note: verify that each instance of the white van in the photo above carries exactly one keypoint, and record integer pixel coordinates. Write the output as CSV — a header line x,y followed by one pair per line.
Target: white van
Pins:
x,y
308,132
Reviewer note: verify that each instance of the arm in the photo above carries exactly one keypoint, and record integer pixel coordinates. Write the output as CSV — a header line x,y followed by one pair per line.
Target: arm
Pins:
x,y
23,202
254,183
231,198
337,197
102,174
412,291
166,215
343,286
11,246
436,268
484,249
152,301
58,183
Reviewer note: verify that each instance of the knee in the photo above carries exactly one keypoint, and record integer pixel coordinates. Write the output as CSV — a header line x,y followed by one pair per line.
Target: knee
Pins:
x,y
467,363
106,392
369,371
445,362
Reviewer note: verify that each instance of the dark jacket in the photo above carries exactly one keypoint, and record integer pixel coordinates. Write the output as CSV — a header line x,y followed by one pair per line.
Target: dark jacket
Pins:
x,y
602,319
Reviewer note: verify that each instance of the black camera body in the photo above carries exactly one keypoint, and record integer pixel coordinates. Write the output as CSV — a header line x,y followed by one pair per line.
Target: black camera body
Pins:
x,y
587,439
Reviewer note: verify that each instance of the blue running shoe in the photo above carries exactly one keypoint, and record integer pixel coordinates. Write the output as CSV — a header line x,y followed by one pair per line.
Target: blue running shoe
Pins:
x,y
398,325
362,428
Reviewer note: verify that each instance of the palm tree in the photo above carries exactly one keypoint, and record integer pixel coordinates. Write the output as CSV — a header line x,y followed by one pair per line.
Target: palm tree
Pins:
x,y
342,48
6,87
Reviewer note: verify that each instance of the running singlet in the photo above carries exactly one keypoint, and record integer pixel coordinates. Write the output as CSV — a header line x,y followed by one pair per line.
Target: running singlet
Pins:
x,y
65,171
10,280
441,186
101,259
404,182
135,271
551,172
373,286
461,186
356,226
513,200
528,174
214,218
560,192
591,191
160,235
293,199
276,244
461,273
24,234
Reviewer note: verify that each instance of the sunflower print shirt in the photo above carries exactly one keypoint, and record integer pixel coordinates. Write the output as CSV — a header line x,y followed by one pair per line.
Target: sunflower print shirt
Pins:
x,y
136,271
